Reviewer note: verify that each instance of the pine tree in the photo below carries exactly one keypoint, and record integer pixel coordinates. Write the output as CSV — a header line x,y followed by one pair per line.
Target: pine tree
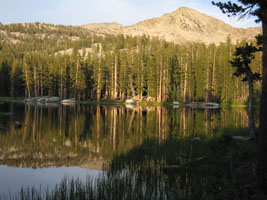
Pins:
x,y
242,61
258,9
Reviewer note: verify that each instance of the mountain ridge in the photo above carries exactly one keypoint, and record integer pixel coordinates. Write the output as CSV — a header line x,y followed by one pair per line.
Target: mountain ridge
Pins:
x,y
180,26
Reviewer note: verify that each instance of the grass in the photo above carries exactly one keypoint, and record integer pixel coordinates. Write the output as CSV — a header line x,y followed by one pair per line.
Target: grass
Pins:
x,y
10,99
155,103
209,168
2,114
237,105
103,102
196,167
241,105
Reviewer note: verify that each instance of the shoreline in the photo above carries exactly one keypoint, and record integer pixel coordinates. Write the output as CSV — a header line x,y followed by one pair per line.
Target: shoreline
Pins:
x,y
123,102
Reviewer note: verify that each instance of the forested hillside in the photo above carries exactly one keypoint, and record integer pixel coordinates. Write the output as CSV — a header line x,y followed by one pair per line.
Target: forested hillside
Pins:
x,y
73,62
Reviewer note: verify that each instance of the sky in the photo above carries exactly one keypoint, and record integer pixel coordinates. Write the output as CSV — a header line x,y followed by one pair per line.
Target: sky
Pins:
x,y
125,12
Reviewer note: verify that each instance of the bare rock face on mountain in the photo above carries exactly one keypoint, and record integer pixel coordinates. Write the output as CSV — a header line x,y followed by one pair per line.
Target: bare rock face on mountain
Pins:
x,y
105,27
180,26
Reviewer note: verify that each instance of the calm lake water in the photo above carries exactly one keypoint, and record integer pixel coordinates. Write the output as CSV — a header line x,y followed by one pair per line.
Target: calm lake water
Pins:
x,y
57,140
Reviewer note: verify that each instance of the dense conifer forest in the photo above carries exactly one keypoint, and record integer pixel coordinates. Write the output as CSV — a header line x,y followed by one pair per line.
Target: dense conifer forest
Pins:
x,y
71,62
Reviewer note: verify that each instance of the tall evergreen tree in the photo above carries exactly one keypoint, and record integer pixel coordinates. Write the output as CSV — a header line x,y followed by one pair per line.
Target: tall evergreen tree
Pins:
x,y
258,9
242,61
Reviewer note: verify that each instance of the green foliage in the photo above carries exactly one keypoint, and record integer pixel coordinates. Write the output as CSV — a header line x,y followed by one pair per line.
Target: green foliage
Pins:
x,y
70,62
242,60
249,7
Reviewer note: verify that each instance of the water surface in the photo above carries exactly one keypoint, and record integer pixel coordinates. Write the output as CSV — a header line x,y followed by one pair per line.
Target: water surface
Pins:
x,y
58,140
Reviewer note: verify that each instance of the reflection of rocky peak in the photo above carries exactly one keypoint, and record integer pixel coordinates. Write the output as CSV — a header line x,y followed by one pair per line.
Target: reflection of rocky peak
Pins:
x,y
184,24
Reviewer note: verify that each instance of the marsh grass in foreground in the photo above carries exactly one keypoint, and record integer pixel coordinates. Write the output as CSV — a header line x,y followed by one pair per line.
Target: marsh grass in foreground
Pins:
x,y
197,167
178,168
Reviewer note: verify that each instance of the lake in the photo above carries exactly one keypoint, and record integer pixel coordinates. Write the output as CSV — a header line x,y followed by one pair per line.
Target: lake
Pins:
x,y
57,140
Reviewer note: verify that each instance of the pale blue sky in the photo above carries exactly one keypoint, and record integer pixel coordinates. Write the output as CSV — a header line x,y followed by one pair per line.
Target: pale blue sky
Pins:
x,y
126,12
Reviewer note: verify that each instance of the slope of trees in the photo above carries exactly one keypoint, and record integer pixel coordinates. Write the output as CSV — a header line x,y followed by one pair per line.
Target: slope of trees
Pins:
x,y
70,62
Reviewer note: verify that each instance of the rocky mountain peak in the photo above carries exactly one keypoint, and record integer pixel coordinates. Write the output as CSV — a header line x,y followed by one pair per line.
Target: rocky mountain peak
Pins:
x,y
183,25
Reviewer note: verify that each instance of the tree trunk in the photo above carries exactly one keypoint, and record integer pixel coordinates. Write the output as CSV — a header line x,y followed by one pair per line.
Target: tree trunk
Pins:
x,y
185,84
41,74
213,77
61,82
27,81
207,93
35,81
99,76
164,89
140,92
160,83
115,94
262,153
132,87
251,109
77,85
12,88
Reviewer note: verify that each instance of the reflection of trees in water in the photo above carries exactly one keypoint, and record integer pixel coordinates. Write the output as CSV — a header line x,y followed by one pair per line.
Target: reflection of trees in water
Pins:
x,y
81,133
